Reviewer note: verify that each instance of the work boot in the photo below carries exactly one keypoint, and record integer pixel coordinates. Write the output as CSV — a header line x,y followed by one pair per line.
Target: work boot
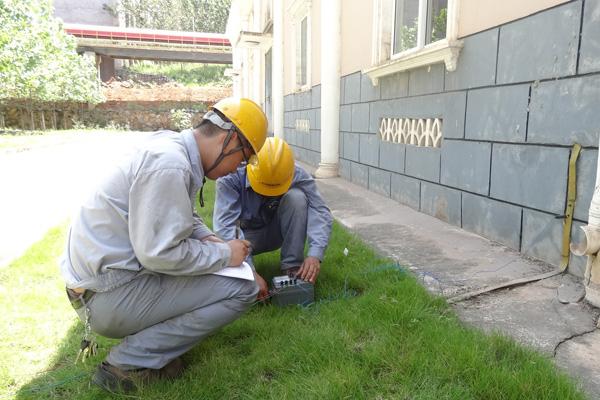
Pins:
x,y
117,380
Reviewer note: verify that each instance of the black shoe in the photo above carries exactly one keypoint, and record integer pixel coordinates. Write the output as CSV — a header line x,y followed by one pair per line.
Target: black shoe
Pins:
x,y
117,380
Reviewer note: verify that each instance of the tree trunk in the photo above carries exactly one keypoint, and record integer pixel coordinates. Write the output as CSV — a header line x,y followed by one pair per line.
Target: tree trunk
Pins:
x,y
43,120
53,118
22,118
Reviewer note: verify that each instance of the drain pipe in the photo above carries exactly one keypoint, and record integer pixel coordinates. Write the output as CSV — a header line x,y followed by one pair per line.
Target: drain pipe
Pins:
x,y
590,246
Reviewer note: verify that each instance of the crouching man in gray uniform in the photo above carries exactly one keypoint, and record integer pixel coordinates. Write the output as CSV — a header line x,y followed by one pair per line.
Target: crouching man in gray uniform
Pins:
x,y
139,261
277,205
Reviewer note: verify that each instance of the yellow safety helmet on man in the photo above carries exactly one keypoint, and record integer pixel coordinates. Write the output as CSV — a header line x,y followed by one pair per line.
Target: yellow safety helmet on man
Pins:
x,y
273,174
247,117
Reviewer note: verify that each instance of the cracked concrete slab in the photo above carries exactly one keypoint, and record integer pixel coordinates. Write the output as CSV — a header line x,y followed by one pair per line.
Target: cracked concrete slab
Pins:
x,y
450,261
586,350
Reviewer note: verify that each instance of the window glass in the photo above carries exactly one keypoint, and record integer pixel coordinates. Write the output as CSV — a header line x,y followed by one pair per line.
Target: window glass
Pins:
x,y
406,25
303,50
436,20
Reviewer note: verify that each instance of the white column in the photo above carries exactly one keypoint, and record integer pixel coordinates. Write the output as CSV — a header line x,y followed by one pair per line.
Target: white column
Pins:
x,y
277,68
330,87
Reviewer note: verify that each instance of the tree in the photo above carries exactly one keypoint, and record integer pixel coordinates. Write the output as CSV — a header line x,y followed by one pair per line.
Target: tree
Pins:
x,y
180,15
38,60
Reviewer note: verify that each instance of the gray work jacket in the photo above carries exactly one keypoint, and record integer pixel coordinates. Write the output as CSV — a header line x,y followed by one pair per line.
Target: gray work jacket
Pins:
x,y
141,217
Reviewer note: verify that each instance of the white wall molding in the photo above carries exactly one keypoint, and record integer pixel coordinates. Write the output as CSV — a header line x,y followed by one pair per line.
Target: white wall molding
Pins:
x,y
422,132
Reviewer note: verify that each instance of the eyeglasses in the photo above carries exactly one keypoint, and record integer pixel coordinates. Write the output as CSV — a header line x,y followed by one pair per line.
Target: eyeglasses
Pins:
x,y
245,145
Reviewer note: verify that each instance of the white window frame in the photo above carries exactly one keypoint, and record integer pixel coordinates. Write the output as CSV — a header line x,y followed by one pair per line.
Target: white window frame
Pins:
x,y
384,62
300,9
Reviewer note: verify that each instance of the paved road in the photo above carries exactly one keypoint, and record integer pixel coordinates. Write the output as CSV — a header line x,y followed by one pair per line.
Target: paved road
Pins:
x,y
41,187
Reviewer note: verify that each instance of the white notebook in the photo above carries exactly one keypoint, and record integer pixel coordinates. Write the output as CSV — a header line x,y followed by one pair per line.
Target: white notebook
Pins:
x,y
244,271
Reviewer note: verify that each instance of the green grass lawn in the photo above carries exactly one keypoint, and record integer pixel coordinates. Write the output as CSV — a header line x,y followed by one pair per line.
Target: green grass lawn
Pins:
x,y
374,333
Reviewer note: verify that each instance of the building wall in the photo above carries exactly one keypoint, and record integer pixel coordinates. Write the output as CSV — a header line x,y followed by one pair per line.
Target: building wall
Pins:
x,y
520,97
479,15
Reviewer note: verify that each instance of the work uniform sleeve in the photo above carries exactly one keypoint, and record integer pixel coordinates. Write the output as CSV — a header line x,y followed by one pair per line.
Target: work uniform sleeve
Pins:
x,y
161,224
320,219
228,206
200,230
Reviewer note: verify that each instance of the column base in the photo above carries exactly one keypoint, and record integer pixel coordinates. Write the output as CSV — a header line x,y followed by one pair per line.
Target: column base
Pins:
x,y
327,170
592,294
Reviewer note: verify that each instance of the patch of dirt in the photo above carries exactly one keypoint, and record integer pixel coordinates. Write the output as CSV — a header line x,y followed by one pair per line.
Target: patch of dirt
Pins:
x,y
172,91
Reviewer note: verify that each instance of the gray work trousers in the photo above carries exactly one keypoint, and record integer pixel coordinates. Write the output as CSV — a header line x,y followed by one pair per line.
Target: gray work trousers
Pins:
x,y
287,230
160,317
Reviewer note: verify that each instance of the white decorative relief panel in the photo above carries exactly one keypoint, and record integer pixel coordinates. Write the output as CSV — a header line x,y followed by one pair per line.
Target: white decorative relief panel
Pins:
x,y
425,132
303,125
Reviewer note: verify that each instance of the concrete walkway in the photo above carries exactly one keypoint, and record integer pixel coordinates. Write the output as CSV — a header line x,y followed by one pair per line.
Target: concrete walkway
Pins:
x,y
43,185
450,261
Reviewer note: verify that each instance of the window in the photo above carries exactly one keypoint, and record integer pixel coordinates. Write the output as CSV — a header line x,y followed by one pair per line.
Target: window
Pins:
x,y
418,23
300,12
301,52
413,33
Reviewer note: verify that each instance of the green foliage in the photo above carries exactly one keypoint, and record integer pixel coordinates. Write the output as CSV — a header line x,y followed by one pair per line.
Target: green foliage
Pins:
x,y
188,74
38,60
185,15
181,118
439,25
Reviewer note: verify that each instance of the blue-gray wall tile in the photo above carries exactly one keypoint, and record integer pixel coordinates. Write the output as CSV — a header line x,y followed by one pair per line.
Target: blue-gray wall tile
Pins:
x,y
369,149
466,165
379,181
345,166
360,174
315,140
542,236
589,59
287,102
351,146
532,176
425,80
394,86
406,190
565,111
453,113
289,136
441,202
498,114
423,162
360,117
476,62
368,92
586,179
352,88
492,219
346,118
541,46
391,156
315,99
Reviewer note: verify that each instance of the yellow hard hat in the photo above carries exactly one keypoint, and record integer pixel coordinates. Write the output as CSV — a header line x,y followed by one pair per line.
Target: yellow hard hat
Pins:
x,y
273,174
248,118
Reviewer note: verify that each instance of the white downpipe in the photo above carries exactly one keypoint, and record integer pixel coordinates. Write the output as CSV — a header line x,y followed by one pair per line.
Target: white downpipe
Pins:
x,y
330,87
277,68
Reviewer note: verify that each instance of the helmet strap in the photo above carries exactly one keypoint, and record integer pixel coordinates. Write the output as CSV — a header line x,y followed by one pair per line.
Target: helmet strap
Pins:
x,y
220,158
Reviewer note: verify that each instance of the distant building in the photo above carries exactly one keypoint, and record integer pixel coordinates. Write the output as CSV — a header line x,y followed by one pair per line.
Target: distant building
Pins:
x,y
93,12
